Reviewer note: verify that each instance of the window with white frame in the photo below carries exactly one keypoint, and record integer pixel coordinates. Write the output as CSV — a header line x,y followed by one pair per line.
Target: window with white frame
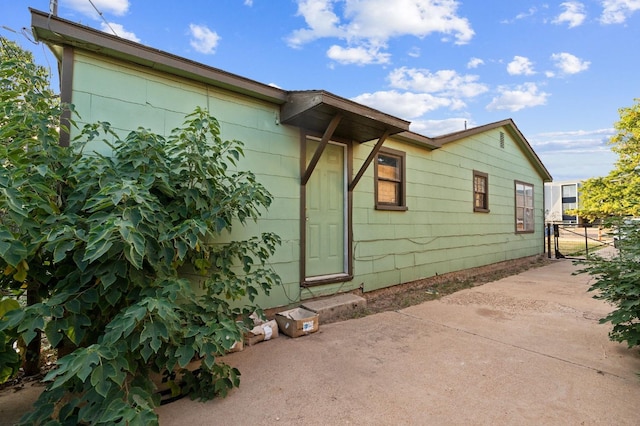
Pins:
x,y
524,207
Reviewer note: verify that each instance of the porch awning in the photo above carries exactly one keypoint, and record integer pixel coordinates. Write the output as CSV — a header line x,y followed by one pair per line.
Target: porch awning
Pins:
x,y
315,109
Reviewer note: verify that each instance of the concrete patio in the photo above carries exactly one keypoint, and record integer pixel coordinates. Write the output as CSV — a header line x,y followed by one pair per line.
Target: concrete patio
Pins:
x,y
525,350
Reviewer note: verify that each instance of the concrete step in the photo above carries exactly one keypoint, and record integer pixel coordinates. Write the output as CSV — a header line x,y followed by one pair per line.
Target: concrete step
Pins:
x,y
336,307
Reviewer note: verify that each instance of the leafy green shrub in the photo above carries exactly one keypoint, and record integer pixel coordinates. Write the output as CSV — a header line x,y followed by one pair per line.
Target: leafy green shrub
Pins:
x,y
107,240
9,359
615,199
617,281
29,119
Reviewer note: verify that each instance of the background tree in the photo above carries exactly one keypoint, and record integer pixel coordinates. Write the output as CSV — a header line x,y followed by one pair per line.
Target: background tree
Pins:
x,y
615,199
618,193
108,239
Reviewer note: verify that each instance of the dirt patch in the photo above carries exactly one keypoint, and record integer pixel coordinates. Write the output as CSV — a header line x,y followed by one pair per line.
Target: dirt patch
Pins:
x,y
493,314
48,357
415,292
19,382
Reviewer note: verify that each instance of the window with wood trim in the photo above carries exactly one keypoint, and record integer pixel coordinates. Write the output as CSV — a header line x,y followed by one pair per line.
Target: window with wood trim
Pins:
x,y
390,180
524,207
480,192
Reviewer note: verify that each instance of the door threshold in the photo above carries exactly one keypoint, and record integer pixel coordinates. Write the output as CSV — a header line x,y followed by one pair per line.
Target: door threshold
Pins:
x,y
326,279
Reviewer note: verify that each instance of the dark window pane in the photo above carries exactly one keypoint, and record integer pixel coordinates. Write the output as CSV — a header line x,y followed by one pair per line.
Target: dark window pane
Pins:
x,y
388,167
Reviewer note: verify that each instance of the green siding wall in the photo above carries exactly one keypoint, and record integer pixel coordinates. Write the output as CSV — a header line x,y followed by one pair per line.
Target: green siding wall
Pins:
x,y
130,97
439,233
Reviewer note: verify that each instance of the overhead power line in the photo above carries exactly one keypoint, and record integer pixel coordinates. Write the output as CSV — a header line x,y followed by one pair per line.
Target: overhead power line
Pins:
x,y
53,10
103,18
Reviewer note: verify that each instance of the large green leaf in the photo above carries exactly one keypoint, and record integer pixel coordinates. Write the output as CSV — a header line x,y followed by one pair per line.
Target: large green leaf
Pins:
x,y
9,359
77,326
185,354
13,251
100,378
7,305
156,332
61,249
103,236
14,201
97,249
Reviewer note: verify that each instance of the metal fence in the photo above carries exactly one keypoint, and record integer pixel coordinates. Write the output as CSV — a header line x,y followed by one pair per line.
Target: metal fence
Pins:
x,y
575,241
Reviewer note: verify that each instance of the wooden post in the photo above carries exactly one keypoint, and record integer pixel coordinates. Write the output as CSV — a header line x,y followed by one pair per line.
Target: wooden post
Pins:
x,y
549,240
32,355
586,242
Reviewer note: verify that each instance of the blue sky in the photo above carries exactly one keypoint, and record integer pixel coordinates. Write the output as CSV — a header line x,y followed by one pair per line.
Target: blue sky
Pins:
x,y
560,69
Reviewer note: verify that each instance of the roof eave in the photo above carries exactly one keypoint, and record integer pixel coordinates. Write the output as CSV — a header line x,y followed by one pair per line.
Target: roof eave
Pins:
x,y
511,127
57,32
529,151
417,140
314,109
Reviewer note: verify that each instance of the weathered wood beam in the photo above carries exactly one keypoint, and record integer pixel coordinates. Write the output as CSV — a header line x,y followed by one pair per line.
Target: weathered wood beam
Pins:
x,y
368,161
328,133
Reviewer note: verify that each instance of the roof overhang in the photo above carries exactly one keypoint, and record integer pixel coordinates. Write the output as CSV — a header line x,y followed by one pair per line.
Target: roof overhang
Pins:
x,y
57,33
311,110
510,126
528,151
314,109
417,140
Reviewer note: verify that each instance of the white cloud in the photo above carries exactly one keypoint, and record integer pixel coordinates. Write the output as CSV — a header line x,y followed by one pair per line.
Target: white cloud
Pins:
x,y
572,141
532,11
357,55
114,7
617,11
382,19
575,154
321,20
599,133
474,63
414,52
119,31
520,66
444,82
203,39
570,165
406,105
569,64
522,96
573,14
419,91
440,127
371,23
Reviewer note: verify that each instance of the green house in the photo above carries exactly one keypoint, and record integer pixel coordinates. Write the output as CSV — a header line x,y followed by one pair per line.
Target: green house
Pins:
x,y
361,202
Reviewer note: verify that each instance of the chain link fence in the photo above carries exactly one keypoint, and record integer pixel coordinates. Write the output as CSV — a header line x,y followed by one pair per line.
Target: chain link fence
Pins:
x,y
575,241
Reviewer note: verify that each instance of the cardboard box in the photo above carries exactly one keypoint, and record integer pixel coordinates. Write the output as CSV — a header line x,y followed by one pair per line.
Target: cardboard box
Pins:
x,y
297,322
261,332
237,347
